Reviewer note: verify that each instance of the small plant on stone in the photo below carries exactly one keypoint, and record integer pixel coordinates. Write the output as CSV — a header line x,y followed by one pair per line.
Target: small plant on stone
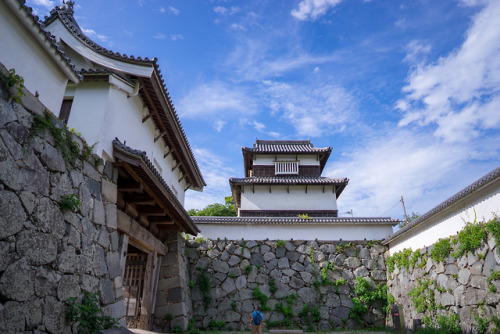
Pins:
x,y
304,216
14,80
169,317
272,285
493,228
204,283
88,314
280,243
422,296
69,202
441,250
494,276
262,298
177,329
340,281
233,306
248,269
232,275
191,284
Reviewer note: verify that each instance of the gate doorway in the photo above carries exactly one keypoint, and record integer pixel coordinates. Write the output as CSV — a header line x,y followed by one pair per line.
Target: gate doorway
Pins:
x,y
133,286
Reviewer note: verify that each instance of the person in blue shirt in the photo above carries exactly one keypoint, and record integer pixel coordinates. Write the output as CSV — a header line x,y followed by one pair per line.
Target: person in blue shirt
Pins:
x,y
257,321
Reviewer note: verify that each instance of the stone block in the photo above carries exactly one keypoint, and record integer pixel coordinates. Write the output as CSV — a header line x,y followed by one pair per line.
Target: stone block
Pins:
x,y
478,282
52,159
257,259
98,216
16,283
51,313
12,316
12,214
490,264
109,191
67,260
68,287
113,262
111,215
241,282
283,263
38,248
463,276
234,260
174,295
106,290
48,218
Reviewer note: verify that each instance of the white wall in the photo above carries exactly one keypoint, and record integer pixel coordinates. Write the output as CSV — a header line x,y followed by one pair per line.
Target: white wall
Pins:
x,y
482,205
294,231
102,112
268,159
21,51
296,199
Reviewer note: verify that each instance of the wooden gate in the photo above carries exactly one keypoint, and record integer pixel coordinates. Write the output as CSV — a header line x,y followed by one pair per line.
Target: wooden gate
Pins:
x,y
133,285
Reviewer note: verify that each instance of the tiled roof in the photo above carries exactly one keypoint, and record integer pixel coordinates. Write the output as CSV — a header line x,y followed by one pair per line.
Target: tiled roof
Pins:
x,y
285,146
99,71
51,38
65,13
493,175
171,196
295,220
288,180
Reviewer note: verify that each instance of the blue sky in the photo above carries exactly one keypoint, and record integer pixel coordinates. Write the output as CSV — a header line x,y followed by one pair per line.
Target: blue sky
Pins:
x,y
406,92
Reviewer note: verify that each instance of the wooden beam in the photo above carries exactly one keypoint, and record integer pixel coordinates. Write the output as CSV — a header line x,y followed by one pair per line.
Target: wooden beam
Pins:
x,y
139,199
160,135
151,211
130,186
161,220
189,186
135,232
167,154
148,116
178,164
182,178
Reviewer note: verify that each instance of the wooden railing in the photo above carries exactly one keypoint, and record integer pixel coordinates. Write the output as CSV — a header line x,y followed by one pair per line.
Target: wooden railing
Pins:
x,y
286,167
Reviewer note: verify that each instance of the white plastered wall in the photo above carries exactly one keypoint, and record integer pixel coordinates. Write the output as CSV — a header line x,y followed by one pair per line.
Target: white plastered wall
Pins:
x,y
295,198
103,112
295,231
482,205
21,51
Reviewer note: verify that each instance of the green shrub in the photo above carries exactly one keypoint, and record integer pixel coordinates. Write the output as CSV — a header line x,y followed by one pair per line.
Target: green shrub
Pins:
x,y
88,314
493,228
248,269
14,80
69,202
470,238
280,243
422,296
261,297
272,285
177,329
366,296
441,250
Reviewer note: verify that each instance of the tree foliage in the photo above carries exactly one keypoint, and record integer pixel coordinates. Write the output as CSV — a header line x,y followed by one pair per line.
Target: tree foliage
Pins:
x,y
411,218
216,209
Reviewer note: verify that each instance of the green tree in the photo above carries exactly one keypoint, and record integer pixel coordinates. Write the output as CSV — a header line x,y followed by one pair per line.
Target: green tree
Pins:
x,y
216,209
411,218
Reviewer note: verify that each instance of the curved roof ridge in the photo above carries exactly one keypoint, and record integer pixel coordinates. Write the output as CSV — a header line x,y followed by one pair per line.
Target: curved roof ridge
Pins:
x,y
51,38
65,13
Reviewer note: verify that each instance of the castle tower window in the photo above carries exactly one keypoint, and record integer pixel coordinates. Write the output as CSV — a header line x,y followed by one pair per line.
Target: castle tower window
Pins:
x,y
286,167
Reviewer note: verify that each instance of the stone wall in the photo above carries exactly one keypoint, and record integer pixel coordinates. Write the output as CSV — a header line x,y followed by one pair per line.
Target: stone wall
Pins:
x,y
236,268
453,286
48,255
173,295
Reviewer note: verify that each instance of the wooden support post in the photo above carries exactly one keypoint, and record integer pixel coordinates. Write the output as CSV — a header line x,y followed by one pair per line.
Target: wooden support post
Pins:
x,y
156,277
167,154
178,164
144,119
160,135
123,246
146,311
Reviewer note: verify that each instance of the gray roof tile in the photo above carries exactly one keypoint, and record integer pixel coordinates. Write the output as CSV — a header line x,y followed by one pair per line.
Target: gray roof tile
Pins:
x,y
295,220
288,180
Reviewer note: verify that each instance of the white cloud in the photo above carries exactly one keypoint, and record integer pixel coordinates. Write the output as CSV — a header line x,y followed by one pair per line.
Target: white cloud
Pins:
x,y
49,4
216,173
92,34
316,110
216,99
400,163
226,11
159,36
219,124
316,69
176,37
312,9
236,26
460,93
415,50
162,10
220,10
174,10
258,126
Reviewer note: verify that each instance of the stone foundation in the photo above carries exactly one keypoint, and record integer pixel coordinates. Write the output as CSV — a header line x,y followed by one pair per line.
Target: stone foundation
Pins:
x,y
47,254
236,268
